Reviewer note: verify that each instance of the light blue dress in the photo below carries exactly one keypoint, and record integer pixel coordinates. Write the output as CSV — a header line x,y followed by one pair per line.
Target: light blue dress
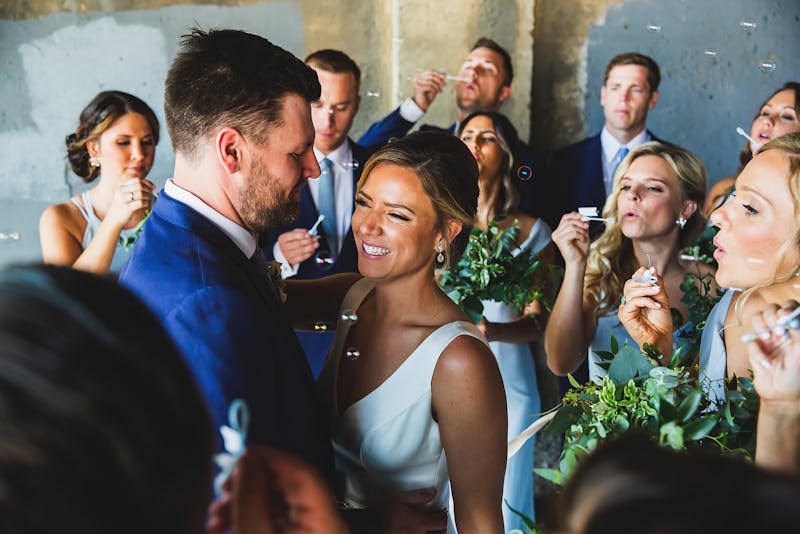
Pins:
x,y
713,355
121,254
609,324
522,395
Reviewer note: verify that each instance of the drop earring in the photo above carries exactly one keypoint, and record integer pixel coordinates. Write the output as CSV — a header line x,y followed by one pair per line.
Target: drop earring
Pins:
x,y
681,222
440,257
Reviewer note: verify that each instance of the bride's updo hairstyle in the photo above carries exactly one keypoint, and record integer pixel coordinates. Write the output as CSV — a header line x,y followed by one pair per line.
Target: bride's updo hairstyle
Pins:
x,y
96,118
449,176
611,259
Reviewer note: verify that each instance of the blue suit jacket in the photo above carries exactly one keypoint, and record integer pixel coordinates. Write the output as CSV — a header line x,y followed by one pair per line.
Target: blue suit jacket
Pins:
x,y
347,258
227,322
577,179
533,200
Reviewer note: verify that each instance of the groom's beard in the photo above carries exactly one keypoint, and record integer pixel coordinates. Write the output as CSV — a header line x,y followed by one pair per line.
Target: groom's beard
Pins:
x,y
264,204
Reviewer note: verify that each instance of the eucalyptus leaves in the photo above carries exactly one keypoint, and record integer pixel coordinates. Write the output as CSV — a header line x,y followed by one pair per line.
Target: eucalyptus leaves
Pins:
x,y
667,403
492,268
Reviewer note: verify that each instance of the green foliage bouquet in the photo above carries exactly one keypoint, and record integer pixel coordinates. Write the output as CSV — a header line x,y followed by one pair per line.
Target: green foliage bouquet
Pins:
x,y
666,402
492,269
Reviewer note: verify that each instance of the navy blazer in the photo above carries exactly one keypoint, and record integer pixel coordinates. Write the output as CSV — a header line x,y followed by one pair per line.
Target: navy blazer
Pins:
x,y
577,179
347,258
230,328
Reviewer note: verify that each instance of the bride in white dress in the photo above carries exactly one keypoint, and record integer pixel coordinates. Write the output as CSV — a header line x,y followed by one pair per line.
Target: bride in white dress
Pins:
x,y
416,398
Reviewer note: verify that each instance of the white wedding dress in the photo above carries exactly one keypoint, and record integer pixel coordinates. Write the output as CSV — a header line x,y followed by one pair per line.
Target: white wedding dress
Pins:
x,y
388,441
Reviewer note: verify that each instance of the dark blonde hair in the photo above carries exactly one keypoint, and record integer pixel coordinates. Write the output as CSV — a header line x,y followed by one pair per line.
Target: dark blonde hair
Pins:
x,y
448,174
611,259
96,118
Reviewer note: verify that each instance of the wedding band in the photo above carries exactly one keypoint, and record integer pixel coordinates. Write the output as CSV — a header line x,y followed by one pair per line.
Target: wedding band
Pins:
x,y
131,195
622,301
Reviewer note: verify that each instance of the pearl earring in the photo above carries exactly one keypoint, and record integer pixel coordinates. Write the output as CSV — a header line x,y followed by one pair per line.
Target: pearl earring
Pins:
x,y
94,162
440,257
681,222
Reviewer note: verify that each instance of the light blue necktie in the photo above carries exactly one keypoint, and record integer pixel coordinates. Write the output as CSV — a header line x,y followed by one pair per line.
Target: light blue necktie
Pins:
x,y
618,157
621,153
326,205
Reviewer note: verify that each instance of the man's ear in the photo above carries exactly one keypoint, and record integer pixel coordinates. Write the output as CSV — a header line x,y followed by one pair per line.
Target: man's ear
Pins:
x,y
653,99
229,146
357,104
505,94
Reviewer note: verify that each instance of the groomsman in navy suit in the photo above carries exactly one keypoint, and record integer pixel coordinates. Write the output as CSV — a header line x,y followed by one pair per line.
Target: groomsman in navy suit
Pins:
x,y
238,112
582,172
486,75
332,249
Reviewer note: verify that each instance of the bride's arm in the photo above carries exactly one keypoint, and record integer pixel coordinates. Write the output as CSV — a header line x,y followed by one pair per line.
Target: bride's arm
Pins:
x,y
470,406
312,301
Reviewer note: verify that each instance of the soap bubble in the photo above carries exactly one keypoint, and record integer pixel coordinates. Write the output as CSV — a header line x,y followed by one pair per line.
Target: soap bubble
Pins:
x,y
374,94
653,27
524,173
352,164
767,65
324,260
349,316
352,353
12,235
748,24
709,53
320,327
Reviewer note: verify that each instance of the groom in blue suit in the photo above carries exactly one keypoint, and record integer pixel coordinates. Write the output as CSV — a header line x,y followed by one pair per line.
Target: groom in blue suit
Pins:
x,y
237,110
582,172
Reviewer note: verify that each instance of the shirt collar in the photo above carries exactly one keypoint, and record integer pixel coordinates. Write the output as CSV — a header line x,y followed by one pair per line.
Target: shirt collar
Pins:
x,y
340,156
241,237
611,145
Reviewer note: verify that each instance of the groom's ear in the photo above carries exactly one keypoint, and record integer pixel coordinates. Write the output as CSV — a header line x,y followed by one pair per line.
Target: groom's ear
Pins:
x,y
229,145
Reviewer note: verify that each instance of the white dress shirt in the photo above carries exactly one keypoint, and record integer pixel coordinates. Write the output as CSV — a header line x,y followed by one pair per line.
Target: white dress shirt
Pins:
x,y
611,146
241,236
343,161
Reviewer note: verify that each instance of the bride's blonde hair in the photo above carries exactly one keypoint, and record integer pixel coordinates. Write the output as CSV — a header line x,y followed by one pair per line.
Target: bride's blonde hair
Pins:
x,y
611,260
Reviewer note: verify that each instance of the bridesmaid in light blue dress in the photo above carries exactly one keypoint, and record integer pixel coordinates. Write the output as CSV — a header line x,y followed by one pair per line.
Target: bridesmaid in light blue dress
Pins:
x,y
652,213
510,332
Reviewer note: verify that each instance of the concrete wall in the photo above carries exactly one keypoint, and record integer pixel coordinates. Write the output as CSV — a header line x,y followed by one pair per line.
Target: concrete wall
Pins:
x,y
57,54
703,97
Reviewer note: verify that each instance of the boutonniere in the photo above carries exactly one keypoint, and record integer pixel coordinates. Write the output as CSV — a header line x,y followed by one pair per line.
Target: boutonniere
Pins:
x,y
274,270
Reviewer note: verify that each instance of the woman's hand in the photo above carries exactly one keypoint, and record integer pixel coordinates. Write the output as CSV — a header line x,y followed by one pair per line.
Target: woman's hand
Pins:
x,y
132,196
645,313
572,238
775,357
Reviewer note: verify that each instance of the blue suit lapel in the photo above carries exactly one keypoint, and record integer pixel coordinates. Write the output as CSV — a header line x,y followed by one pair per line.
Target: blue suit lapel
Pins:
x,y
183,216
591,189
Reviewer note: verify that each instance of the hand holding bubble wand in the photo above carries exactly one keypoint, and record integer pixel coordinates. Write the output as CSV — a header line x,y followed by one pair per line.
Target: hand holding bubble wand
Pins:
x,y
593,214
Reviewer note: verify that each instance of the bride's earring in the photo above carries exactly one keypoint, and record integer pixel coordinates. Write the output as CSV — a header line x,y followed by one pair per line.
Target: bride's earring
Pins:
x,y
440,257
681,222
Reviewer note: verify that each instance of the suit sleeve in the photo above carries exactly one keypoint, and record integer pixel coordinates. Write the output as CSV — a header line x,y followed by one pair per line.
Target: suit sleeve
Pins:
x,y
391,126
